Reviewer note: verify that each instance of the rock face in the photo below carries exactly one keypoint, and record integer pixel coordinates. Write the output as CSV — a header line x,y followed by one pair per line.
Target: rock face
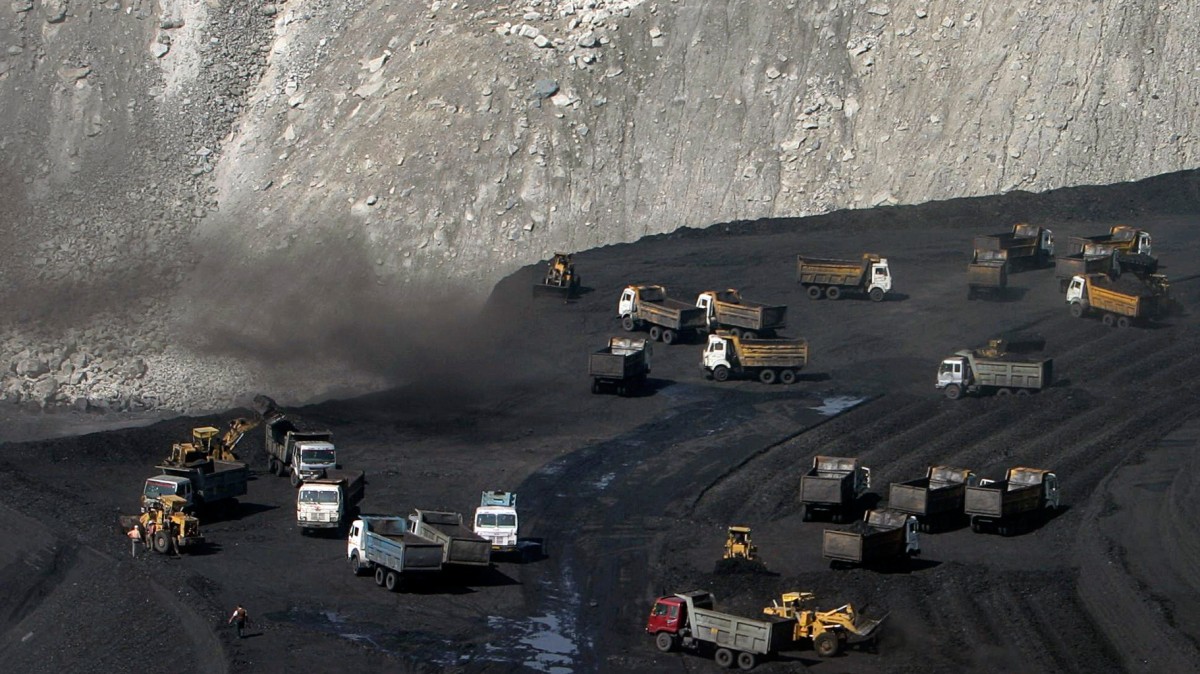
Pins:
x,y
160,181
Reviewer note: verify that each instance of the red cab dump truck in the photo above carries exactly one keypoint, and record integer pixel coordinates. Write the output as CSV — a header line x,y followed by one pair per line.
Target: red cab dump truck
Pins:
x,y
881,537
1023,495
1122,302
648,307
726,310
687,620
833,487
823,277
1026,245
936,500
622,366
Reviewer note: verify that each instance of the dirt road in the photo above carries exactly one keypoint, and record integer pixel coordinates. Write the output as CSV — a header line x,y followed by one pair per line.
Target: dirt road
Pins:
x,y
632,495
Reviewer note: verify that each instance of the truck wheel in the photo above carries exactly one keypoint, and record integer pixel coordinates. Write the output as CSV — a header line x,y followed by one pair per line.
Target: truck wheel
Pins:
x,y
665,642
970,294
746,660
826,644
724,657
668,336
162,542
294,479
1022,391
628,323
392,581
655,333
833,292
749,334
1077,310
767,376
1123,322
876,294
814,292
271,466
807,514
953,392
787,377
1004,392
595,386
380,576
736,332
1109,320
280,468
720,373
354,565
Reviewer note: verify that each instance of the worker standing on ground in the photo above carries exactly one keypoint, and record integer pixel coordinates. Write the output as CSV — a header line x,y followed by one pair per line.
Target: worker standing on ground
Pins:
x,y
135,537
239,619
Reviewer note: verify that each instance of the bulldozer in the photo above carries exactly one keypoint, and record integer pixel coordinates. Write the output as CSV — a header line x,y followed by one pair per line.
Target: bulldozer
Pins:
x,y
173,529
560,276
208,443
828,631
738,545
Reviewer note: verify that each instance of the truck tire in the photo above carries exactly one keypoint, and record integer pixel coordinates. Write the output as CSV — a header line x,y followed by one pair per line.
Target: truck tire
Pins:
x,y
162,542
766,375
826,644
806,513
1022,391
380,575
294,479
355,567
720,373
833,292
814,292
1109,320
1077,310
1123,322
392,581
280,468
787,377
628,323
271,468
655,333
668,336
746,661
749,334
1004,392
736,332
595,386
876,294
665,642
953,391
724,657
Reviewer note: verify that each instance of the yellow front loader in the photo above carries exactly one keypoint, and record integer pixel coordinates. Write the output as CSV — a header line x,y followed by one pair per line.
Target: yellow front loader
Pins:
x,y
738,545
828,631
172,528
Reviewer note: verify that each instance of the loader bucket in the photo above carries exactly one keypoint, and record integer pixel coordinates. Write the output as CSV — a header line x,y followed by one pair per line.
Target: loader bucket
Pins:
x,y
864,628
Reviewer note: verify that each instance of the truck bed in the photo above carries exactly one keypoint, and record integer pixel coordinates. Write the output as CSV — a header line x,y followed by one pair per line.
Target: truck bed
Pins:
x,y
922,498
826,489
672,313
862,544
402,551
1079,264
825,271
750,315
761,637
462,545
608,365
773,352
988,274
1013,371
1002,499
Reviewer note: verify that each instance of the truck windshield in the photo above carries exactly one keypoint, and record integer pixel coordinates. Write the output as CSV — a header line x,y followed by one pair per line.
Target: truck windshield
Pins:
x,y
311,496
485,520
156,489
318,455
947,368
505,520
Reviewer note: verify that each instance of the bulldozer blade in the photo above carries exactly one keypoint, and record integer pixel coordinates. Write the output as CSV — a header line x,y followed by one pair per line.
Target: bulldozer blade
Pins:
x,y
864,628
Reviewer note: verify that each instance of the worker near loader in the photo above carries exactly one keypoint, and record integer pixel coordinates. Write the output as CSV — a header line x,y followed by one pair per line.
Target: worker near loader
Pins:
x,y
135,537
239,619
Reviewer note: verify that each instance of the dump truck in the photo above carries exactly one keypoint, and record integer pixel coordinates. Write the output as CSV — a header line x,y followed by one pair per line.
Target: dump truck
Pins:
x,y
622,366
647,307
726,310
207,483
936,500
460,545
1067,267
559,277
1022,496
165,525
1123,238
301,454
325,502
1026,245
496,520
828,278
828,631
771,360
881,537
832,487
688,620
1120,302
987,275
977,371
383,544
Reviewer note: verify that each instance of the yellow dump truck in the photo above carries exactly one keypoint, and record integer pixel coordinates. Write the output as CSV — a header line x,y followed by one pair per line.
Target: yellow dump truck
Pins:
x,y
1121,302
823,277
726,310
1025,245
647,307
770,360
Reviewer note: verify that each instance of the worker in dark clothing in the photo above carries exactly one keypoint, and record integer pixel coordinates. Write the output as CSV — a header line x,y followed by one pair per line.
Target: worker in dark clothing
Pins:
x,y
239,619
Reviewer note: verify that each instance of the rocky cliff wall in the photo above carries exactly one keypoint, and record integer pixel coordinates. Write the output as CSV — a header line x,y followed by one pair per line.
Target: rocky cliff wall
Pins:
x,y
179,177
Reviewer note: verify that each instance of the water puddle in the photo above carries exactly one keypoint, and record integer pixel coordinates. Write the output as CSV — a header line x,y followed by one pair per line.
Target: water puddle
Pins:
x,y
604,481
838,404
547,643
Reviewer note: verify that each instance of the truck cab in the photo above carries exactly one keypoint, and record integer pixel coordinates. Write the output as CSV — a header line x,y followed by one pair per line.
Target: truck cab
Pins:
x,y
632,295
167,485
707,301
496,519
313,458
881,276
319,506
954,370
718,352
1045,236
1075,291
669,614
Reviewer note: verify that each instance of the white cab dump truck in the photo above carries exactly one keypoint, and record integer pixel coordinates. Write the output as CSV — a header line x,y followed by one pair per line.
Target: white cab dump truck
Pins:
x,y
301,454
831,279
647,307
383,545
770,360
726,310
496,520
325,502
